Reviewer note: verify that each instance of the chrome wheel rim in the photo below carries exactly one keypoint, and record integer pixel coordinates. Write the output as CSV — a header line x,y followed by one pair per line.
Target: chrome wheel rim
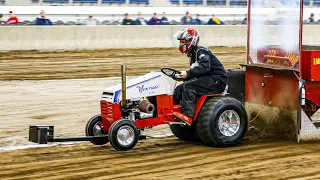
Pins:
x,y
125,135
229,123
97,129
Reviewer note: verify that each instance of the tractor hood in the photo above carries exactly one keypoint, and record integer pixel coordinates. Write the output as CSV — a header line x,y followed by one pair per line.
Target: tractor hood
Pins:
x,y
151,84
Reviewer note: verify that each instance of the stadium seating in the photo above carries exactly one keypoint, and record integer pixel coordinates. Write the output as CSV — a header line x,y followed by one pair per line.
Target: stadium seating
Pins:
x,y
139,1
238,2
193,2
187,1
174,1
146,2
212,2
85,1
55,1
316,2
113,1
96,1
216,2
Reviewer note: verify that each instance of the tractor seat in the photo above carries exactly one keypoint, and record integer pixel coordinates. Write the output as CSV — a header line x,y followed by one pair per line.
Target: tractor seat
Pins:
x,y
225,92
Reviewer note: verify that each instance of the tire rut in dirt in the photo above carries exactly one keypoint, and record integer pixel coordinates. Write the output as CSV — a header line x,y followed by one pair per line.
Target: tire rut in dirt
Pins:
x,y
73,64
177,162
42,155
270,166
42,166
233,166
109,154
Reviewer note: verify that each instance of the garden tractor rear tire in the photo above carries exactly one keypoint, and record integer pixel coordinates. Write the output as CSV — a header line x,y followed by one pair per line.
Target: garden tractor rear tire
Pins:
x,y
222,122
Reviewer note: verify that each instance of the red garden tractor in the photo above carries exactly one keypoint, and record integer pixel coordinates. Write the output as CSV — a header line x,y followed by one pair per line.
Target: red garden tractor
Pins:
x,y
278,89
147,101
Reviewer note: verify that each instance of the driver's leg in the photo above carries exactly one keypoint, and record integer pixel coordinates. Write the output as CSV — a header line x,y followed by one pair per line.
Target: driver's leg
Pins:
x,y
191,90
188,102
189,98
177,94
195,88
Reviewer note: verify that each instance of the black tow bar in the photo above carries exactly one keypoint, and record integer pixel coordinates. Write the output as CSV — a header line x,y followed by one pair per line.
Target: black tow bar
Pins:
x,y
42,134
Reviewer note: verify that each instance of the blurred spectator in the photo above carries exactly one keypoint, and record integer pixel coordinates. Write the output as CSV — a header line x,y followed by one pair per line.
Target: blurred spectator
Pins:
x,y
42,20
13,19
1,20
187,19
198,21
214,21
127,20
164,19
245,20
154,20
311,18
90,21
140,20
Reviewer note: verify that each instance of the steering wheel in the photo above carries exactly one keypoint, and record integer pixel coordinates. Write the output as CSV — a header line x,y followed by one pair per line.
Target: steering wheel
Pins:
x,y
173,74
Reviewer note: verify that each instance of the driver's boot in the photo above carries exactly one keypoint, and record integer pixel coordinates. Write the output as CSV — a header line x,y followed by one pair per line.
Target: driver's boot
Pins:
x,y
184,118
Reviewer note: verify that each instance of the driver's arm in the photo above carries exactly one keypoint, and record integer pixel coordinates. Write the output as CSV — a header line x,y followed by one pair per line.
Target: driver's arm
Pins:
x,y
201,67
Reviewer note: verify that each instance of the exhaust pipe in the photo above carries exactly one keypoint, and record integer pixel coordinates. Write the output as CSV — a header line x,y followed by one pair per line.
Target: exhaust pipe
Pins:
x,y
146,106
124,85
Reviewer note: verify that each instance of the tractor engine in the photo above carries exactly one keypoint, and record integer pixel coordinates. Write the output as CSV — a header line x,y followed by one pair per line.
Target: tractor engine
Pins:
x,y
139,108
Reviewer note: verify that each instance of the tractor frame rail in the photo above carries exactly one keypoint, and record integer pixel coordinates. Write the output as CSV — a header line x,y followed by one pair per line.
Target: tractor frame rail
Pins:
x,y
42,134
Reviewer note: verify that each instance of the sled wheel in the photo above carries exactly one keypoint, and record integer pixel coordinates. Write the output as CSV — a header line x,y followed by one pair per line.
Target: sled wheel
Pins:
x,y
222,122
94,127
123,135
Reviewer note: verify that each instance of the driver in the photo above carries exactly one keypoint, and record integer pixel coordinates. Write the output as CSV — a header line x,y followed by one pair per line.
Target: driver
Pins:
x,y
205,76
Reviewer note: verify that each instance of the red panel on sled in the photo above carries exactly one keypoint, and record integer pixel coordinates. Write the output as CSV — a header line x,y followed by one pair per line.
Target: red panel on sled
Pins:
x,y
311,65
272,87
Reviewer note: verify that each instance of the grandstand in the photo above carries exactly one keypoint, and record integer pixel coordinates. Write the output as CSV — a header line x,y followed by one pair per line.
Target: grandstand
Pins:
x,y
149,3
220,3
111,12
125,2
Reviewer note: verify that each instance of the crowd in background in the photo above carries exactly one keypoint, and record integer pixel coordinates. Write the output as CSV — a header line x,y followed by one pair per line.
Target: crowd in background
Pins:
x,y
13,19
155,20
140,20
187,19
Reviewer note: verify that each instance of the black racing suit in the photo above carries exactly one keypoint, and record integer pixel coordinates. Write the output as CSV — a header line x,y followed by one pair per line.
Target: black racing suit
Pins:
x,y
205,76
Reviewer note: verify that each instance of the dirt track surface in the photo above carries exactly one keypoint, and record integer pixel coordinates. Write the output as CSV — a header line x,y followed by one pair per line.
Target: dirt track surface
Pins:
x,y
33,65
50,94
165,158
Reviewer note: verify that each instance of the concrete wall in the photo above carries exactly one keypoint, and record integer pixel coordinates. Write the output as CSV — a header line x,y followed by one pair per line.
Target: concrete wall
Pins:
x,y
102,37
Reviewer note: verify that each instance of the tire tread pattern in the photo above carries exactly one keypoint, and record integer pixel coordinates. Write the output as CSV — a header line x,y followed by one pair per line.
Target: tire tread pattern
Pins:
x,y
205,122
